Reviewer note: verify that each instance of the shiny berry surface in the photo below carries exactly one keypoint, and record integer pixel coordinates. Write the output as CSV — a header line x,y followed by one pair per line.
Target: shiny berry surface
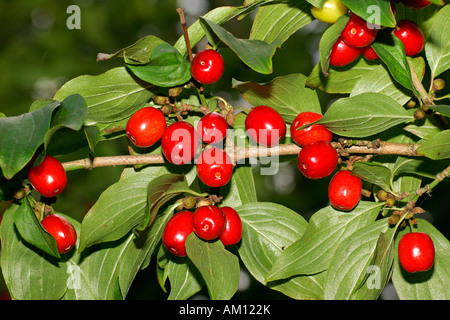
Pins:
x,y
370,54
48,178
214,167
212,128
317,160
179,143
207,66
232,233
358,33
343,54
62,230
416,4
313,133
411,36
176,231
344,190
146,127
209,222
265,126
416,252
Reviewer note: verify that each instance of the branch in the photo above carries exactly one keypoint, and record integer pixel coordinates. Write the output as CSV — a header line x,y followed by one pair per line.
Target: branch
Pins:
x,y
240,153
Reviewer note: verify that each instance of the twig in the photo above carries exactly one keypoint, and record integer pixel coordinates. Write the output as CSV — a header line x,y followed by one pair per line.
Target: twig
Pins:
x,y
239,153
185,32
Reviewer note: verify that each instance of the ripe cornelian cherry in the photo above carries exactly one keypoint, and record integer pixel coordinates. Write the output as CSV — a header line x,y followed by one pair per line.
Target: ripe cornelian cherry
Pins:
x,y
176,231
179,143
370,54
48,178
357,32
212,128
232,233
416,252
344,190
146,127
207,66
209,222
317,160
416,4
62,230
313,133
265,126
214,167
343,54
411,36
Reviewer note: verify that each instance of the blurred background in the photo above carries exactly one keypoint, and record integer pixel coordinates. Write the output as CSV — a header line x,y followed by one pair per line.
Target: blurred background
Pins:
x,y
39,53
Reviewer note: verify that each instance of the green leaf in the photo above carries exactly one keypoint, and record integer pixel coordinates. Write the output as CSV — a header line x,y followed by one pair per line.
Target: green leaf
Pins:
x,y
217,15
340,80
166,68
437,147
287,94
278,21
442,109
70,114
327,228
161,190
121,207
428,285
327,41
185,279
374,173
256,54
380,270
352,261
437,48
242,188
31,230
218,267
380,80
20,137
376,12
111,96
265,238
364,115
139,52
392,52
29,273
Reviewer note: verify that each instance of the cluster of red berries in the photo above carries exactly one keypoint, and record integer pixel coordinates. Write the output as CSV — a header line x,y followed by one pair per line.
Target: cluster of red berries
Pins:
x,y
318,159
357,36
49,179
208,222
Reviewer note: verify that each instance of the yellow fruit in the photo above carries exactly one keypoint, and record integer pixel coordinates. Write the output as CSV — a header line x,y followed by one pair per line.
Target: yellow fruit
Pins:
x,y
330,12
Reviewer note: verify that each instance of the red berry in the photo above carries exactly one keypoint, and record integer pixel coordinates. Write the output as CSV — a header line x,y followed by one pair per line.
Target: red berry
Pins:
x,y
209,222
357,33
411,36
62,230
176,231
212,128
146,126
416,4
313,133
370,54
214,167
48,178
265,126
179,142
317,160
343,54
416,252
344,190
233,228
207,66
